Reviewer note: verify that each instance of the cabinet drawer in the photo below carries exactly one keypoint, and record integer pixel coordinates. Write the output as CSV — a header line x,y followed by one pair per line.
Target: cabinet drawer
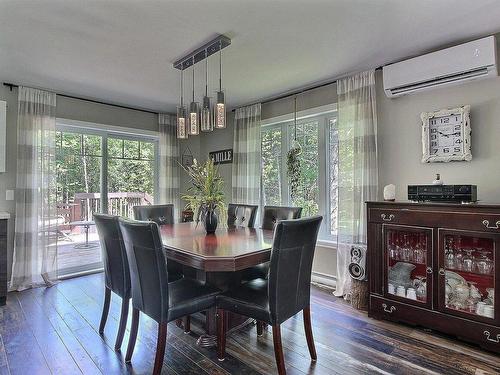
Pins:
x,y
486,222
398,216
391,310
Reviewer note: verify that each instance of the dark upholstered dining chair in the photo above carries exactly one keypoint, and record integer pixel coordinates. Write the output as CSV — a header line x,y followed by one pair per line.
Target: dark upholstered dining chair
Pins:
x,y
284,293
272,215
152,294
116,271
241,215
161,214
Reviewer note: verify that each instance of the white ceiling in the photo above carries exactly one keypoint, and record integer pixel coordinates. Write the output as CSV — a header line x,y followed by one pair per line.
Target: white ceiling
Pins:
x,y
122,51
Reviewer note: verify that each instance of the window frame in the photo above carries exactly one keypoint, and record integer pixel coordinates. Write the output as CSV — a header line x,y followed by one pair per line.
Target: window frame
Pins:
x,y
110,131
285,123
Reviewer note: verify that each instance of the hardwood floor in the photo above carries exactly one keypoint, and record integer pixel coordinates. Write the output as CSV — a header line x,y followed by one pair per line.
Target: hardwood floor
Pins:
x,y
55,330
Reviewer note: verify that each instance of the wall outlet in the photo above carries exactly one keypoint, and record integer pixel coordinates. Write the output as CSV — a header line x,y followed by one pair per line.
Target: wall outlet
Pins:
x,y
9,195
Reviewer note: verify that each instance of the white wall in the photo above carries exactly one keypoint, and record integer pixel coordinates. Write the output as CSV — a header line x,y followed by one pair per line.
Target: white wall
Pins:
x,y
66,108
400,146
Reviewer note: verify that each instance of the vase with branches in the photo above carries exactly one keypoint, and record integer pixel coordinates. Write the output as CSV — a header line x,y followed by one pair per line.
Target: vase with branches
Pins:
x,y
206,195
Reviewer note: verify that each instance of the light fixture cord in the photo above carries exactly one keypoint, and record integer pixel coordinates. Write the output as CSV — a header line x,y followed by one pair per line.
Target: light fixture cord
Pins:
x,y
206,76
182,87
193,83
295,118
220,66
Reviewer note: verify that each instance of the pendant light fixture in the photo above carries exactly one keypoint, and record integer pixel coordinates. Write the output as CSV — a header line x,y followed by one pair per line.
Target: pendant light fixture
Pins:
x,y
194,115
220,106
209,116
181,114
206,111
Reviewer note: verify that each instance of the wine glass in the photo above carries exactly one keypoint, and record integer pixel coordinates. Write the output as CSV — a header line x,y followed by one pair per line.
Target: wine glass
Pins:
x,y
468,261
484,264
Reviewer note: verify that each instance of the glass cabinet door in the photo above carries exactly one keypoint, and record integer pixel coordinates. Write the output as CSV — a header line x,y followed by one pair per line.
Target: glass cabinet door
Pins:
x,y
467,274
408,264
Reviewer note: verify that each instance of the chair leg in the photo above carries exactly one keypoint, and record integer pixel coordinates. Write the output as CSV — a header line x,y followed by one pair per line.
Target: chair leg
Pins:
x,y
221,334
260,328
278,350
309,333
160,348
105,309
187,324
122,325
133,335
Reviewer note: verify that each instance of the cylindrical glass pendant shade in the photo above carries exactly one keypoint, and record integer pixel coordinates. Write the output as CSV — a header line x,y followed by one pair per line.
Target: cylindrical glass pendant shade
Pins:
x,y
220,111
194,118
206,116
181,123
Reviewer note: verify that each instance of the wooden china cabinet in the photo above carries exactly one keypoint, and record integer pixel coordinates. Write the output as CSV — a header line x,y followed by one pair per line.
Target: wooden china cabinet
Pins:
x,y
435,265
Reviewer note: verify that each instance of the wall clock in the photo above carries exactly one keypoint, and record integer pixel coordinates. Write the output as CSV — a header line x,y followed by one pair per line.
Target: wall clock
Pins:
x,y
446,135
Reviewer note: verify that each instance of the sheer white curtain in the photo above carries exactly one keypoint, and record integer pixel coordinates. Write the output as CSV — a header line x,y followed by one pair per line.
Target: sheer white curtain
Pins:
x,y
246,155
169,167
358,168
35,243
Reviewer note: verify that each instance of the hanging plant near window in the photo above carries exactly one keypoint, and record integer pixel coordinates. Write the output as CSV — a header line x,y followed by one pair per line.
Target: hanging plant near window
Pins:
x,y
293,160
293,168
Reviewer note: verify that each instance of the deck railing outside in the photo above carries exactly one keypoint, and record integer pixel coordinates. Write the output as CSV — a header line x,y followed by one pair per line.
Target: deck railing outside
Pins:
x,y
120,203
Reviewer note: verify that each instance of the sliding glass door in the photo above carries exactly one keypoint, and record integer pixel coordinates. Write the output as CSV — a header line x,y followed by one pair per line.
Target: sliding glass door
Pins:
x,y
130,174
98,171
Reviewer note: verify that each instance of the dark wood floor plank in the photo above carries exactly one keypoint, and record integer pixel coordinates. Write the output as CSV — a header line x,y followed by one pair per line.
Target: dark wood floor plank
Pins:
x,y
55,352
20,343
66,318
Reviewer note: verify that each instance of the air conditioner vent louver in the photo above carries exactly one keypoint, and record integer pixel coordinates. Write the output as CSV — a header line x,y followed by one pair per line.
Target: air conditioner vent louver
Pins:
x,y
473,60
441,80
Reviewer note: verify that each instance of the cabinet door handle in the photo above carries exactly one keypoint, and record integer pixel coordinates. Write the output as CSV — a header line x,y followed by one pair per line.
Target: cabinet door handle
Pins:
x,y
442,272
486,223
389,310
428,270
388,217
495,340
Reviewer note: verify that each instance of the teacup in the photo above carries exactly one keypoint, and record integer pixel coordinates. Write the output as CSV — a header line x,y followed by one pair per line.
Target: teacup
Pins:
x,y
401,291
480,308
391,289
411,294
489,311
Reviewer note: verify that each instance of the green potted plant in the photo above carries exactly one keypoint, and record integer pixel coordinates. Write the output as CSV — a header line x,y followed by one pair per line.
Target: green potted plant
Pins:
x,y
206,195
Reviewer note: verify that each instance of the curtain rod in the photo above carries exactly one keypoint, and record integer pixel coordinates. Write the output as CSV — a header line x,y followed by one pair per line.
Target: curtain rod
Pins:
x,y
12,85
296,92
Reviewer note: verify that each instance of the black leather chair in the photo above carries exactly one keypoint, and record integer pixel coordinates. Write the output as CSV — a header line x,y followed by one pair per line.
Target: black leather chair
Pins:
x,y
284,293
116,271
151,292
161,214
241,215
272,215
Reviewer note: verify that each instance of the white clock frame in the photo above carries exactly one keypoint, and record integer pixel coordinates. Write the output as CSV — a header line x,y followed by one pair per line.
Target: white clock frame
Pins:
x,y
466,154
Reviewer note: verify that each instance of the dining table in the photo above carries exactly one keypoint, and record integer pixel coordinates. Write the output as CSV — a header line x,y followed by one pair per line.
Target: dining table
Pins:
x,y
218,259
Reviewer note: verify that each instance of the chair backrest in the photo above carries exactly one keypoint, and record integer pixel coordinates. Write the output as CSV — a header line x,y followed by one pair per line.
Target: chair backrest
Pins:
x,y
273,214
290,268
148,268
114,256
161,214
241,215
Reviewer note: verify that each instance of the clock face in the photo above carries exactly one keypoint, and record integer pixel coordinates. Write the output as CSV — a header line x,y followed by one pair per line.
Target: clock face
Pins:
x,y
446,136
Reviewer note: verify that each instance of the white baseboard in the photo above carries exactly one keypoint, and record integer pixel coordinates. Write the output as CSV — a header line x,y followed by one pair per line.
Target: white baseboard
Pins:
x,y
324,279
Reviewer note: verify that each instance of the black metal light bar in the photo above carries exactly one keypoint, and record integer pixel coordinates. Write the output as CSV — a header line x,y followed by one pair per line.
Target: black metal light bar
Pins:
x,y
214,46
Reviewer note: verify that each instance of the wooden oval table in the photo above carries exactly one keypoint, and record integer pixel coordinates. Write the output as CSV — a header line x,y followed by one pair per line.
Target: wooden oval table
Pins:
x,y
217,259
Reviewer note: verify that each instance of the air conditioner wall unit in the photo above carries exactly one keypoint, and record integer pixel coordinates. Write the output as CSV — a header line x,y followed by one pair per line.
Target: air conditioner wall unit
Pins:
x,y
450,66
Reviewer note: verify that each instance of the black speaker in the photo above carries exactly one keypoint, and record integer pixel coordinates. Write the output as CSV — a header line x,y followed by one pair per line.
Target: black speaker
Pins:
x,y
357,267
